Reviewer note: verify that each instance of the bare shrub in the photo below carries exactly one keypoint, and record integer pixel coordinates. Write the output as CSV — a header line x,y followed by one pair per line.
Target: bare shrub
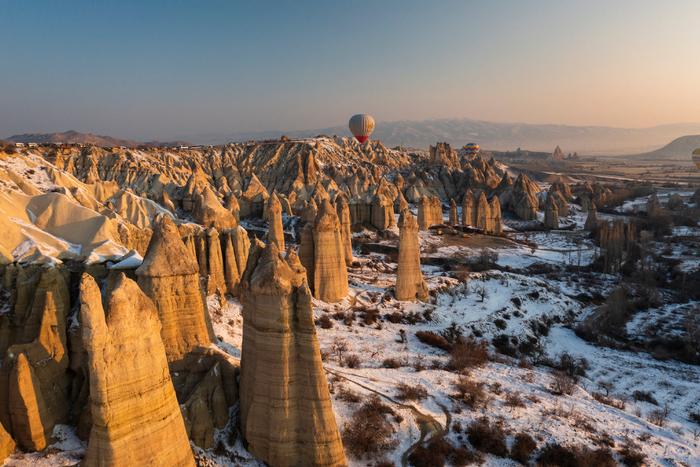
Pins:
x,y
563,456
523,447
514,400
632,455
562,384
352,361
658,416
487,437
612,402
438,451
470,392
406,392
392,363
338,348
645,396
325,322
369,432
433,339
468,353
348,395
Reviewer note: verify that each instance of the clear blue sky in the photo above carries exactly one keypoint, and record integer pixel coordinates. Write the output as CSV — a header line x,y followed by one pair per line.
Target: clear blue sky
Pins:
x,y
147,69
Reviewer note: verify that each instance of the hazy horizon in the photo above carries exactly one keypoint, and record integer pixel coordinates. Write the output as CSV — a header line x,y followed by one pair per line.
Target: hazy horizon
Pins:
x,y
167,70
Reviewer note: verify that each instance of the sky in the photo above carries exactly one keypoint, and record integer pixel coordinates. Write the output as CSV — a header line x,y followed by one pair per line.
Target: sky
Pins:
x,y
166,69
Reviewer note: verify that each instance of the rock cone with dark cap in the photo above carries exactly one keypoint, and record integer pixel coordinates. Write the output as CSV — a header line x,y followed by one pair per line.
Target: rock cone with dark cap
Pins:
x,y
286,413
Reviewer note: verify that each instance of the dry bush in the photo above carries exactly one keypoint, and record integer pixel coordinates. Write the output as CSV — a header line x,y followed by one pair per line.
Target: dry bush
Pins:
x,y
406,392
632,455
433,339
523,447
487,438
562,383
325,322
369,432
612,402
383,463
513,400
392,363
348,395
556,455
438,451
470,392
468,353
645,396
352,361
658,417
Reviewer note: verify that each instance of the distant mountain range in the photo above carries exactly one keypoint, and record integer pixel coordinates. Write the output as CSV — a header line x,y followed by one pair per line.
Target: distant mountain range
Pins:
x,y
593,140
597,140
678,149
75,137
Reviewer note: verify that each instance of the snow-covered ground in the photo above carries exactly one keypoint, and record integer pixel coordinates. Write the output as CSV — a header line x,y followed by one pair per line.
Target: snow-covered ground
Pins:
x,y
486,305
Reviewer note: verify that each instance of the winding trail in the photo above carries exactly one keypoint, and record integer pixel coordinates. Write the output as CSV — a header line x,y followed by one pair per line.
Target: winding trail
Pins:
x,y
428,426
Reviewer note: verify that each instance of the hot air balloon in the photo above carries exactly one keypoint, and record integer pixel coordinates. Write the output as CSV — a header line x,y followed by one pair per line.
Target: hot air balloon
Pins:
x,y
696,157
472,149
361,126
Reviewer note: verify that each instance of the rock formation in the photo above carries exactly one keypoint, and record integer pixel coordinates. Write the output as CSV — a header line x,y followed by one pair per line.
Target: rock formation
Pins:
x,y
345,228
216,282
523,198
322,251
382,212
136,419
429,212
551,213
286,413
483,214
169,276
496,225
454,219
468,217
591,219
7,444
273,212
209,212
409,278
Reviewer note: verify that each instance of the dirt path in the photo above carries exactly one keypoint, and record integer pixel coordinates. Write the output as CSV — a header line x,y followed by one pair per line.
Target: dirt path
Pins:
x,y
428,426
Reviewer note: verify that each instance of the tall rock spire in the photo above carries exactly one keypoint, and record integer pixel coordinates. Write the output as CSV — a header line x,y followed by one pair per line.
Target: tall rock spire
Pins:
x,y
169,276
136,419
409,278
286,413
273,213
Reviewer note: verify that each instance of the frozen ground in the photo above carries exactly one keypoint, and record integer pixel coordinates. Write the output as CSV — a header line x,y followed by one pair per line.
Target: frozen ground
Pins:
x,y
488,304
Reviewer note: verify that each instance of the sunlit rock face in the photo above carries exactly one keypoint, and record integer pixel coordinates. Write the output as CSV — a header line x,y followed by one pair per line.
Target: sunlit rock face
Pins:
x,y
136,419
286,413
169,276
409,278
483,214
345,228
322,252
35,385
273,212
429,212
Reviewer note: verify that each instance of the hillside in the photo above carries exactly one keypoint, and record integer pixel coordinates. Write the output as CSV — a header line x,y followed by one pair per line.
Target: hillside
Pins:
x,y
492,135
678,149
76,137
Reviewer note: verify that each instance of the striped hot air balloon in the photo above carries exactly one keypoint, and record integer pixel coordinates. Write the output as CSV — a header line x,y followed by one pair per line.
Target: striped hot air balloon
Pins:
x,y
471,148
361,126
696,158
